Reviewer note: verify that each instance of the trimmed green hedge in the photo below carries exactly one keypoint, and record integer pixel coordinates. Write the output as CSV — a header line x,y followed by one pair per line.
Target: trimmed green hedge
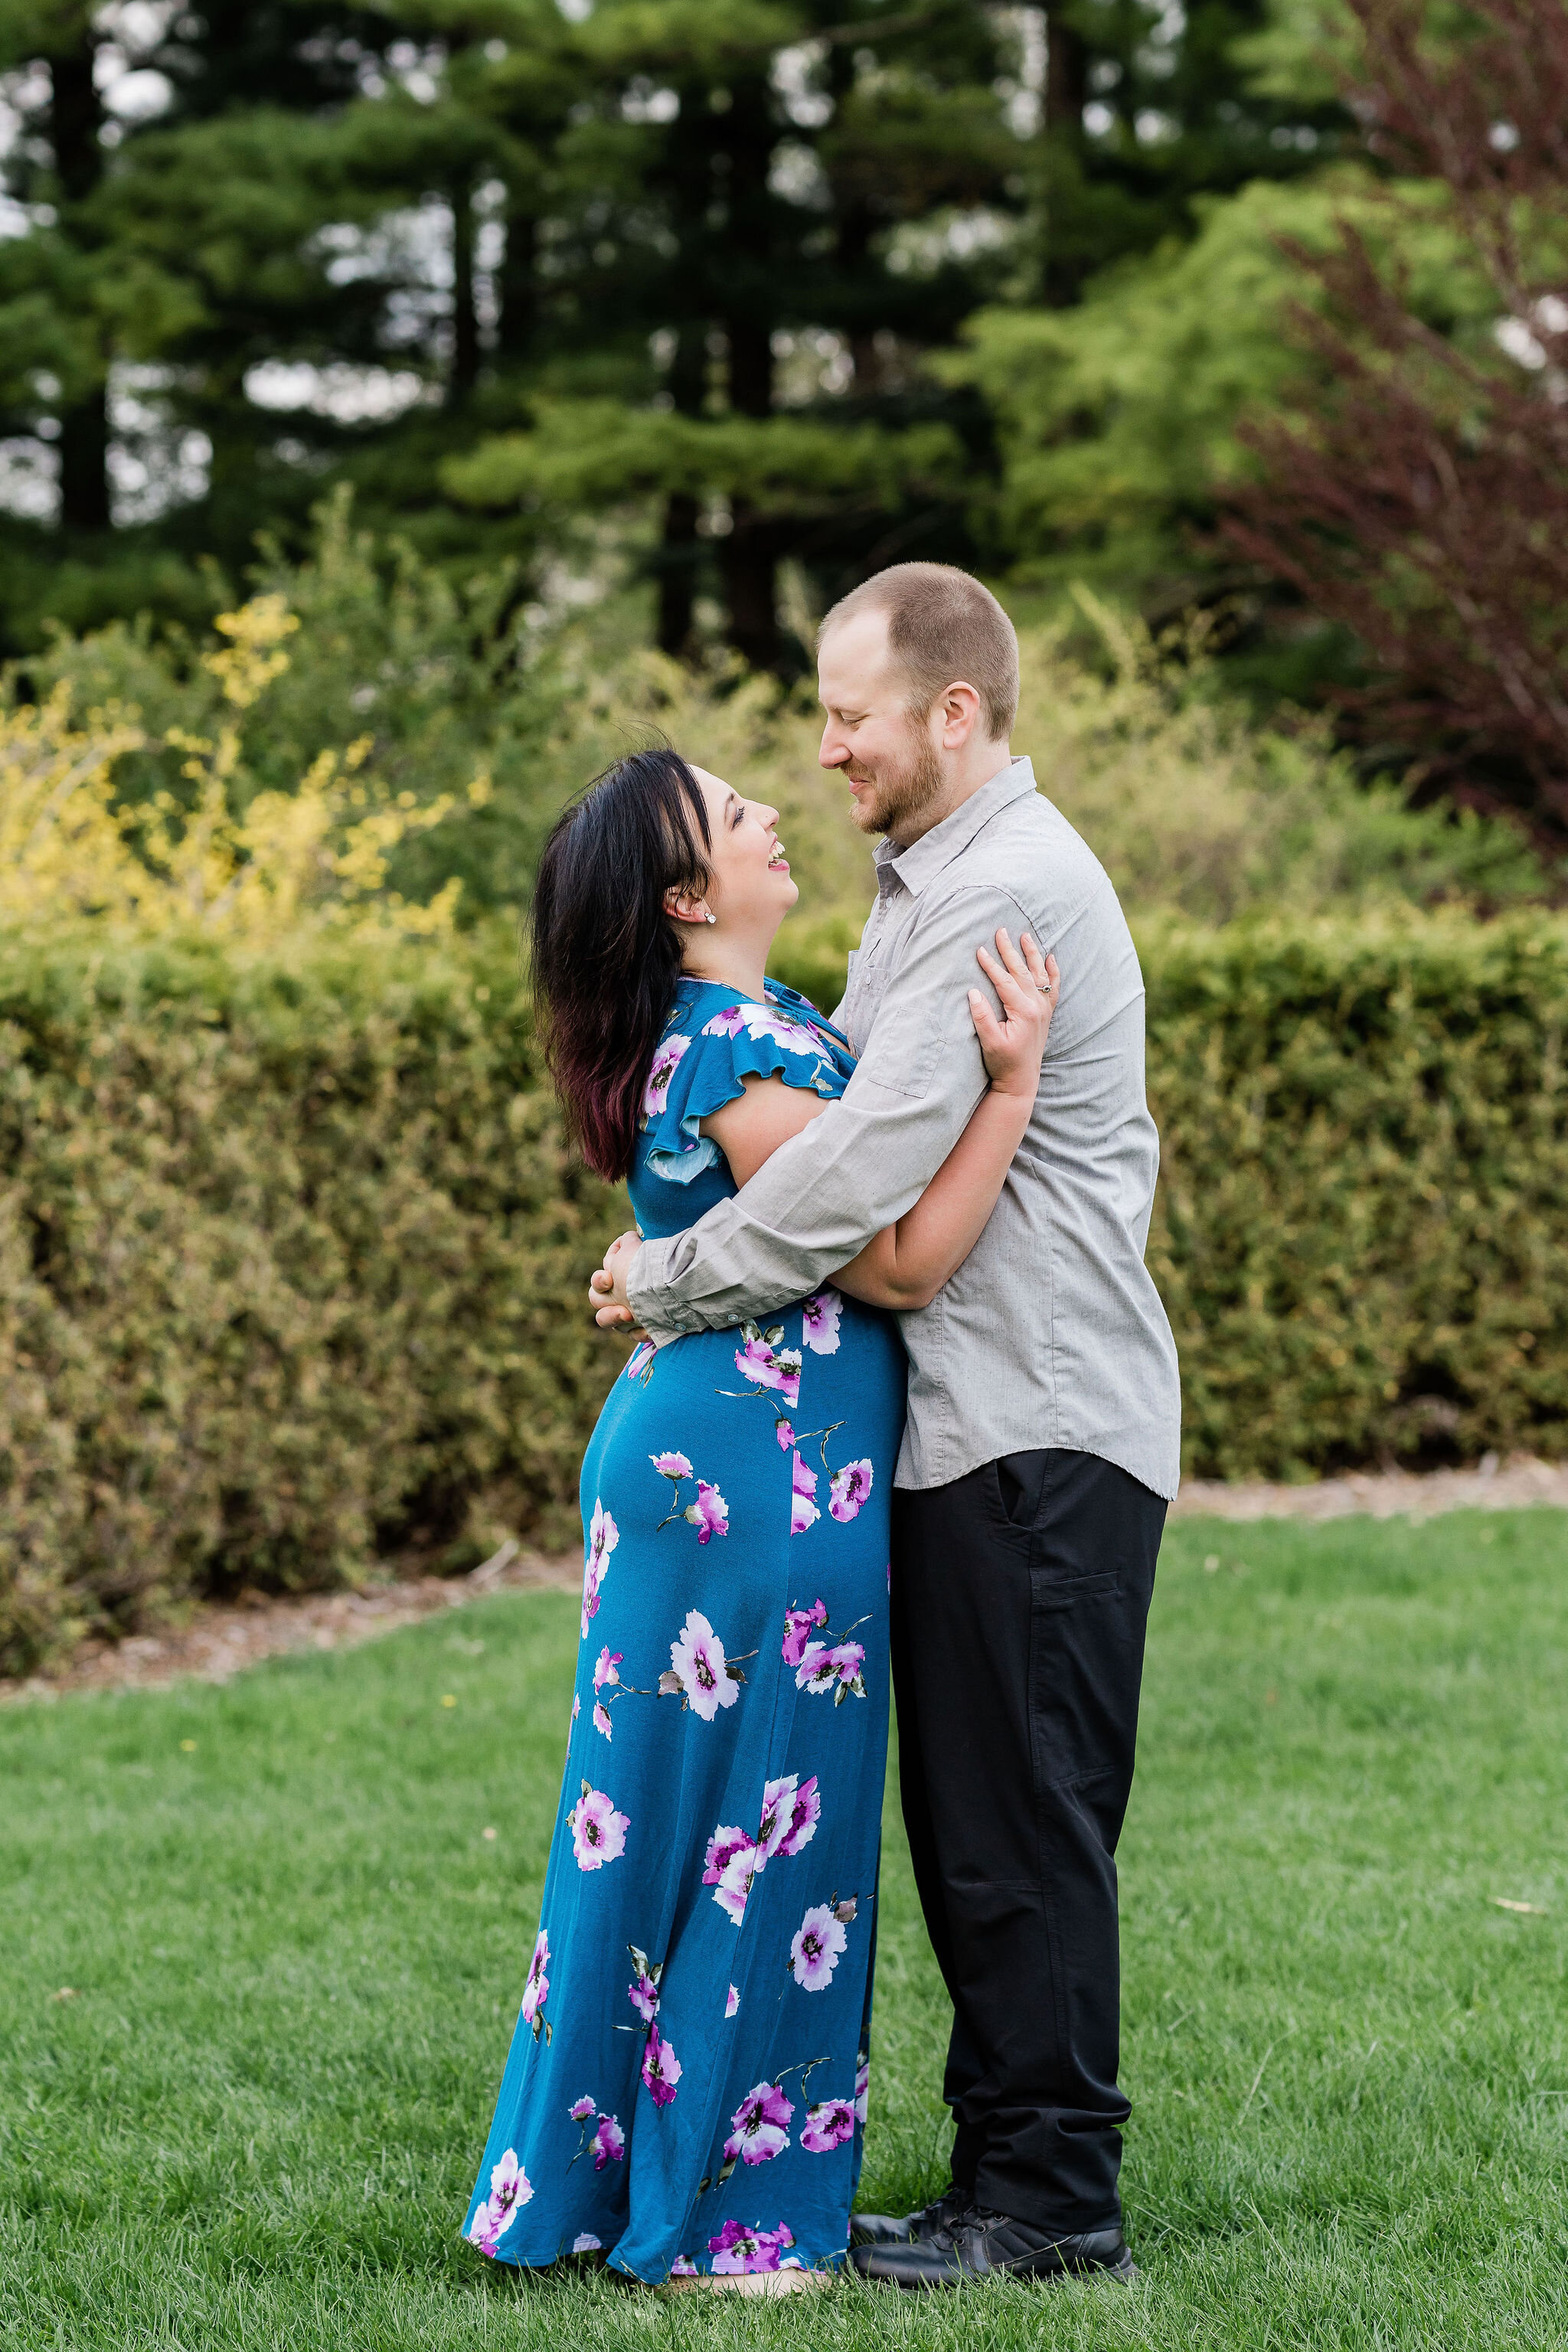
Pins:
x,y
1361,1229
291,1260
1361,1233
291,1270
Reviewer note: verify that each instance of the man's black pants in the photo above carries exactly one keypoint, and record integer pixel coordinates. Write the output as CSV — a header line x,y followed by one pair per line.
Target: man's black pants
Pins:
x,y
1019,1599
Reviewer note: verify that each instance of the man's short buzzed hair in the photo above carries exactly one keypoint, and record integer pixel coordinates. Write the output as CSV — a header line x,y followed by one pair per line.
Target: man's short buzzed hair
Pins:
x,y
943,626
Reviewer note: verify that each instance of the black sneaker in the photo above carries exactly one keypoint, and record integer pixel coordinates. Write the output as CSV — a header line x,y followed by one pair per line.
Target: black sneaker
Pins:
x,y
975,2244
903,2229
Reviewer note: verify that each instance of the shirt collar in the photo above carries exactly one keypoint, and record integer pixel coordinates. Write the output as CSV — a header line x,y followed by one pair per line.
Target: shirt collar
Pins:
x,y
924,859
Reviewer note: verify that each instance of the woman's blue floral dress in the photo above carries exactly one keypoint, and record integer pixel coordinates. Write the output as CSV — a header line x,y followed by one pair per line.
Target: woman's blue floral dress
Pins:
x,y
686,2085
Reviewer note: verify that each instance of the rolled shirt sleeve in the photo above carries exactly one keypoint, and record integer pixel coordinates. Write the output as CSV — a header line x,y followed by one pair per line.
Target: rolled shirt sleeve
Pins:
x,y
818,1201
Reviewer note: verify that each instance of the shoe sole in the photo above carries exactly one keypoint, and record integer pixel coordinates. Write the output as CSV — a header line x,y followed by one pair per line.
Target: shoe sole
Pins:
x,y
1117,2274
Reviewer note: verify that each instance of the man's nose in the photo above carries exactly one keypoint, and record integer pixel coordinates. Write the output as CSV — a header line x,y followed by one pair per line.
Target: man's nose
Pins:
x,y
835,750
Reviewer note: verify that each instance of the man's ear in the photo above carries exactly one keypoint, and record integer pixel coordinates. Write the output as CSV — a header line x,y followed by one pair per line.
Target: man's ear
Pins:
x,y
961,709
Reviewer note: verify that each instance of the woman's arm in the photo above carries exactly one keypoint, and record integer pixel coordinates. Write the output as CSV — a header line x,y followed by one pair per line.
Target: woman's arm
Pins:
x,y
906,1263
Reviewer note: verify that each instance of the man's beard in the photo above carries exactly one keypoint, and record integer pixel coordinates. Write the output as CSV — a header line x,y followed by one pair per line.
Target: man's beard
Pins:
x,y
899,793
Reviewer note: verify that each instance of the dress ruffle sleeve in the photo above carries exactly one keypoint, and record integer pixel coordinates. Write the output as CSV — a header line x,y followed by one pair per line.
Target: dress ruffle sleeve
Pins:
x,y
699,1067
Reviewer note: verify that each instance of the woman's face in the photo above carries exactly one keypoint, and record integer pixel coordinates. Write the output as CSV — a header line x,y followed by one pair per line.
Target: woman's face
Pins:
x,y
752,887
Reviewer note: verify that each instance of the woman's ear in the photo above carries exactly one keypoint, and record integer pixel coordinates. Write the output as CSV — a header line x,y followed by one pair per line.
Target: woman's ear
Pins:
x,y
685,907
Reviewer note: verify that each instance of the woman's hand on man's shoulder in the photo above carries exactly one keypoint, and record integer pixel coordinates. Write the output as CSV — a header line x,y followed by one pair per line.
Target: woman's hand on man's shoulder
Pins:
x,y
1025,984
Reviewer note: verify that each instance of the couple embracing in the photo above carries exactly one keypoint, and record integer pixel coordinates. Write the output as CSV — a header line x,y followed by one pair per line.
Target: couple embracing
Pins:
x,y
906,1415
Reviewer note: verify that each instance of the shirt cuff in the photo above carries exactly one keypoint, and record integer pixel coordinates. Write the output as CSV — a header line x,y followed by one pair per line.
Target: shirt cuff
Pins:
x,y
662,1316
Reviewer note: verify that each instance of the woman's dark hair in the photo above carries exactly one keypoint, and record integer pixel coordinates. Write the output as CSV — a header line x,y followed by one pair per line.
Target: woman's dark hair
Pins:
x,y
606,957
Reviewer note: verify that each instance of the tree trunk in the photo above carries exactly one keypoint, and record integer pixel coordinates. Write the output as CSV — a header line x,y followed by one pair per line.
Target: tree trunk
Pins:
x,y
677,555
464,371
519,284
679,548
747,560
76,118
1067,93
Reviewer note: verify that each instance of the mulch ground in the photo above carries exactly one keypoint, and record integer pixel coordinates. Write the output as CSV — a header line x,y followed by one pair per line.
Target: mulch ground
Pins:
x,y
222,1638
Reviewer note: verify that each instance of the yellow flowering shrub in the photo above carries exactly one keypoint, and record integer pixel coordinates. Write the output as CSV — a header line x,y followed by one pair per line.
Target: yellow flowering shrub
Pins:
x,y
71,847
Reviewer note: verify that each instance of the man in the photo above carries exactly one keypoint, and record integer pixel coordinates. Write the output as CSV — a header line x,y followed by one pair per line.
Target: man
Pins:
x,y
1042,1441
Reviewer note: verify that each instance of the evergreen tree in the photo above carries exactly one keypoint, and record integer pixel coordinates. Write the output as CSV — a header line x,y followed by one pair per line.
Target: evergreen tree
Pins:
x,y
500,263
746,172
1150,106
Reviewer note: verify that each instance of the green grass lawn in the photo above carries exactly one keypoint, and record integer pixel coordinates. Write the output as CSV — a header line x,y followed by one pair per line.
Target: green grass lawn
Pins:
x,y
296,1958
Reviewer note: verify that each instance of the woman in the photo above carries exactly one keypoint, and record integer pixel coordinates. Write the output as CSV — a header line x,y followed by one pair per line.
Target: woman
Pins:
x,y
686,2085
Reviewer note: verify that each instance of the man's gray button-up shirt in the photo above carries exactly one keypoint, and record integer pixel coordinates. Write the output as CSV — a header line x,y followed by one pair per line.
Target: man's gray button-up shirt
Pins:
x,y
1051,1333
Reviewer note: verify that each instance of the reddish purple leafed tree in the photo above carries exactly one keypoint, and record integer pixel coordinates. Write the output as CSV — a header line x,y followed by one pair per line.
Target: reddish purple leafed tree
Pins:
x,y
1424,505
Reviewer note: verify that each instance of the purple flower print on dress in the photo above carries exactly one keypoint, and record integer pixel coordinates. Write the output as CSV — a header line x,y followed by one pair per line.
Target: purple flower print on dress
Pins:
x,y
804,1812
778,1805
602,1537
585,2242
733,2002
735,1885
816,1670
510,2191
836,1667
790,1034
849,1488
790,1815
710,1514
798,1627
665,1064
820,1944
598,1831
605,1667
581,2109
769,1366
722,1846
577,1706
683,2267
697,1664
762,1021
755,1361
819,1322
737,2249
640,1361
729,1868
862,2089
601,1718
803,1511
828,2125
609,2142
643,1989
768,1021
536,1990
661,2069
760,2124
784,1431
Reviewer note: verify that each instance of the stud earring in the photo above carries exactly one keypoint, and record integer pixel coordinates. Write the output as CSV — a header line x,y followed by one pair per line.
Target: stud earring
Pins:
x,y
713,919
